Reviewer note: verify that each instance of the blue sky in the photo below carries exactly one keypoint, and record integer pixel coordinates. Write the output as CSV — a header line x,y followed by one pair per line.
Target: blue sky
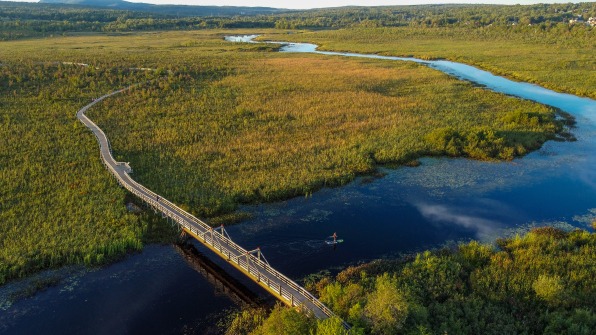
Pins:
x,y
300,4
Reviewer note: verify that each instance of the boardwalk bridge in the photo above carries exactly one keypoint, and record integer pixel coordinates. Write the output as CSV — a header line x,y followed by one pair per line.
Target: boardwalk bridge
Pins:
x,y
251,263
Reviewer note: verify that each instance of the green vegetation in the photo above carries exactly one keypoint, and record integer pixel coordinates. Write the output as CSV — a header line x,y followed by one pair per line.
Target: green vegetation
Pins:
x,y
540,283
58,204
219,124
432,16
25,20
279,125
559,58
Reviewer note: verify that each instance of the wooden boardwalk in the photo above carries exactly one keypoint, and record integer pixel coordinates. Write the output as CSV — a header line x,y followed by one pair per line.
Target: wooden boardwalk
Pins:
x,y
251,263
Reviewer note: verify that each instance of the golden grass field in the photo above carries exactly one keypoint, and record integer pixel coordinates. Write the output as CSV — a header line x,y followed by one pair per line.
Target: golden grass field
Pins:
x,y
230,123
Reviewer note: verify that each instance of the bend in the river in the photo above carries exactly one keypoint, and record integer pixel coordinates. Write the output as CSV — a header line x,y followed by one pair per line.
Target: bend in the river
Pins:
x,y
577,106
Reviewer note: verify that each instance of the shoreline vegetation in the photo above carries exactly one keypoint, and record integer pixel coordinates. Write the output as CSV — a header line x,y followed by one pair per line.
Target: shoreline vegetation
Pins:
x,y
259,126
229,124
546,44
550,59
205,135
538,283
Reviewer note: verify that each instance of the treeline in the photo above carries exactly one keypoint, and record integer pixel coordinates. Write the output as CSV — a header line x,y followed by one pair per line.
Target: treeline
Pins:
x,y
436,16
19,20
540,283
12,29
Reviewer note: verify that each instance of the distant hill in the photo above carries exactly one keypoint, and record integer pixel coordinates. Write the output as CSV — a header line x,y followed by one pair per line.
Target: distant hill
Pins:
x,y
178,10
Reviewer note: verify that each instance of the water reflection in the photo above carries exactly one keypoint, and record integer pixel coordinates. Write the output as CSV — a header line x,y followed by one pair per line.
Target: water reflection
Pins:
x,y
465,217
222,282
154,292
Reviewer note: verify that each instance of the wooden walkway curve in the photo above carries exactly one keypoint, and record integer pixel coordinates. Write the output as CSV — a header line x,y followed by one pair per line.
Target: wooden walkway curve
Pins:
x,y
251,263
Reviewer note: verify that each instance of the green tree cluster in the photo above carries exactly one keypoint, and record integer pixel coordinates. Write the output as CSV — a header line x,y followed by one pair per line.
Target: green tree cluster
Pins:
x,y
539,283
26,20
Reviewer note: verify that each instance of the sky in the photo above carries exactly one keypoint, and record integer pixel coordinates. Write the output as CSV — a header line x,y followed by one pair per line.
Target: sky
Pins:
x,y
302,4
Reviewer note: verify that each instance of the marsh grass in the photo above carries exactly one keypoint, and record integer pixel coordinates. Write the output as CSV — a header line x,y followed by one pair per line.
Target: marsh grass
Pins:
x,y
562,59
215,127
275,126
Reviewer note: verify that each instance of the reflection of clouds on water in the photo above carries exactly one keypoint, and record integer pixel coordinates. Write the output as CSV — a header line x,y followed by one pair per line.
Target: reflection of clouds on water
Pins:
x,y
460,216
587,174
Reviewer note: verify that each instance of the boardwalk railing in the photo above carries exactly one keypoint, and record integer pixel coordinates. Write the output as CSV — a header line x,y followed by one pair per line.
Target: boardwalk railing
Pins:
x,y
252,263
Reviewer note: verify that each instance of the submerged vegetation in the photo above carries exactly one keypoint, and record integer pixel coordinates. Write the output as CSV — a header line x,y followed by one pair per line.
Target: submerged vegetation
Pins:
x,y
540,283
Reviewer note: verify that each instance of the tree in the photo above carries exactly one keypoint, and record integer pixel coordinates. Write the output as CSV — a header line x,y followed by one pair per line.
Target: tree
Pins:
x,y
246,320
386,309
331,326
285,321
549,288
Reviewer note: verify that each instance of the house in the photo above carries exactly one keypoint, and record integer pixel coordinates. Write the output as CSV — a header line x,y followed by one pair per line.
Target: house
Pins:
x,y
577,19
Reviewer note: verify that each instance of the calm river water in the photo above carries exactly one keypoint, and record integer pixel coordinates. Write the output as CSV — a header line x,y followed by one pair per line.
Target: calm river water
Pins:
x,y
162,290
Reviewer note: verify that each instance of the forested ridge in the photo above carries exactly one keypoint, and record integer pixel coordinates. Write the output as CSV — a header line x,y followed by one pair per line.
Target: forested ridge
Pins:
x,y
539,283
19,20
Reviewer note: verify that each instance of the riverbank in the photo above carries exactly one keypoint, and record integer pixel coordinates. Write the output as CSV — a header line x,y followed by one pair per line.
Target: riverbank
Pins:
x,y
559,61
537,283
259,126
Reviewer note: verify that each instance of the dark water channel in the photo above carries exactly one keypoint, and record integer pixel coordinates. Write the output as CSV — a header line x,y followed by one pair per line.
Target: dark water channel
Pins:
x,y
164,290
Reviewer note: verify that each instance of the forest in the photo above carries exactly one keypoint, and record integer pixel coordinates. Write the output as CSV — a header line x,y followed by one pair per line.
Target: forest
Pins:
x,y
22,20
538,283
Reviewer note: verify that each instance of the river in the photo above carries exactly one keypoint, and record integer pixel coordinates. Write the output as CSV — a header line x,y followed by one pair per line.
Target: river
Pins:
x,y
443,201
